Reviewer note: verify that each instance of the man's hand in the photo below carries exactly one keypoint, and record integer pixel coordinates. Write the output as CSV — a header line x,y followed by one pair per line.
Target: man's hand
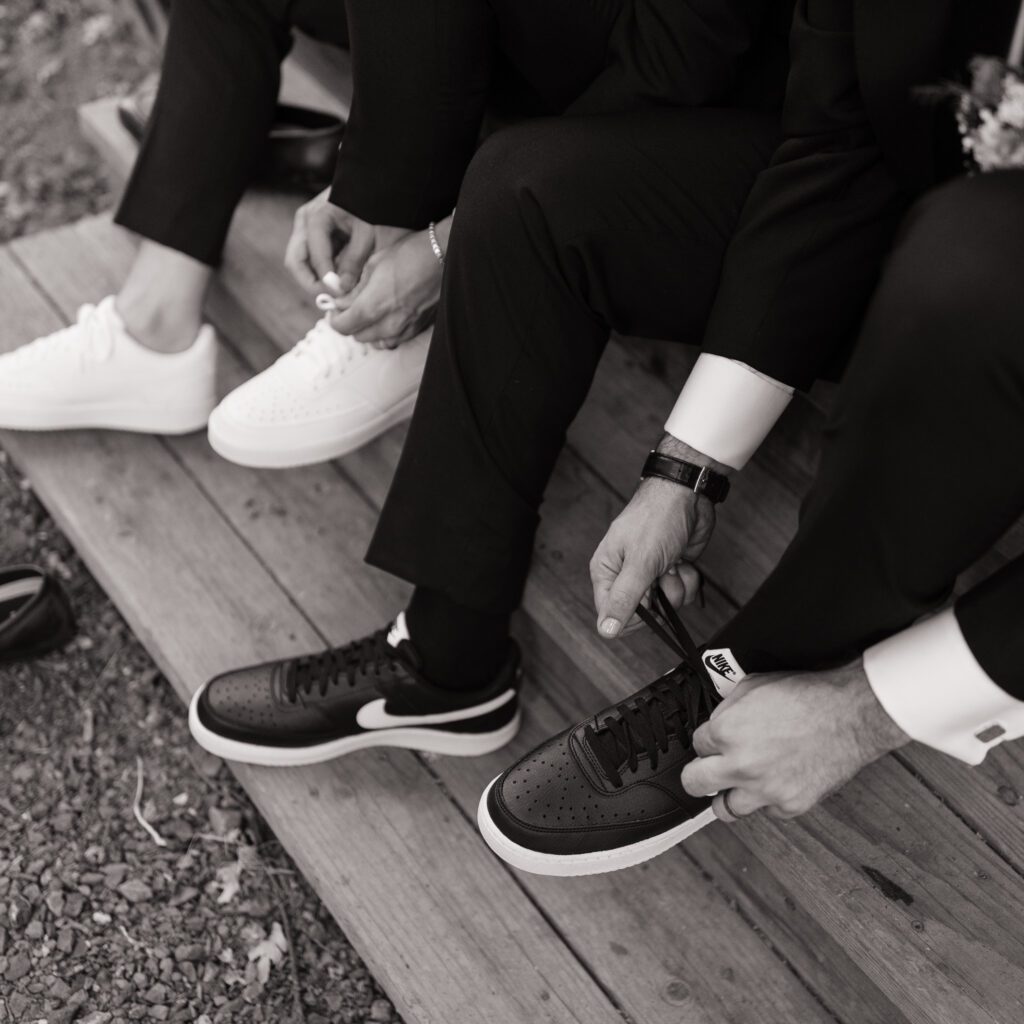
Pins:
x,y
656,537
785,741
330,246
397,296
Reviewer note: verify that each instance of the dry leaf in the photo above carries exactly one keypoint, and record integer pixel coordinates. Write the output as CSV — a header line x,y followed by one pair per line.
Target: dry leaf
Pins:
x,y
268,953
229,876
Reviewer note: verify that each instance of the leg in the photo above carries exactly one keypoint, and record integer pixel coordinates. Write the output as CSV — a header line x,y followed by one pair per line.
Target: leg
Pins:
x,y
425,71
209,126
564,229
921,472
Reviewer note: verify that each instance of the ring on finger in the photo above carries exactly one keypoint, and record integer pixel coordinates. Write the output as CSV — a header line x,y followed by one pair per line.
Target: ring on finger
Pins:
x,y
728,806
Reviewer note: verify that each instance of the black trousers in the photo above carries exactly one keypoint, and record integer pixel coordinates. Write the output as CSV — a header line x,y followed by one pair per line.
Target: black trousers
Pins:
x,y
612,222
213,112
423,72
923,467
566,228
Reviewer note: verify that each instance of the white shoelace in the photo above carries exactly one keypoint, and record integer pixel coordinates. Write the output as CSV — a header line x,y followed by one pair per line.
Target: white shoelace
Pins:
x,y
326,351
89,340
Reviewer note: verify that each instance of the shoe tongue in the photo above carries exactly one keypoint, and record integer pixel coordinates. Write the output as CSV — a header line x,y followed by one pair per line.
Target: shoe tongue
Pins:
x,y
399,631
106,310
399,638
723,668
116,332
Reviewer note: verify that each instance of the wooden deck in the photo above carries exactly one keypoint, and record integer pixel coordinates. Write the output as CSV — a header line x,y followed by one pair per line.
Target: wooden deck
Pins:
x,y
900,900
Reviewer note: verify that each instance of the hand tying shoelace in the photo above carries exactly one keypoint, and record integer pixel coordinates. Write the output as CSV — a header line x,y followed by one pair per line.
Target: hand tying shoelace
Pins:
x,y
328,304
353,662
674,706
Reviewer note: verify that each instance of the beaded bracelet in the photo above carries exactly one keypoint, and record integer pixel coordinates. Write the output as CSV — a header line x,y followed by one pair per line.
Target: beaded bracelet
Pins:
x,y
434,243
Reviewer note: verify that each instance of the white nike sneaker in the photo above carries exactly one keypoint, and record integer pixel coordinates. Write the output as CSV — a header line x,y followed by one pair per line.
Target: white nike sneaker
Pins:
x,y
325,398
95,374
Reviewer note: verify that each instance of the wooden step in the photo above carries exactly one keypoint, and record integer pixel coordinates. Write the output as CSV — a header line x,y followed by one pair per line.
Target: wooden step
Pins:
x,y
841,948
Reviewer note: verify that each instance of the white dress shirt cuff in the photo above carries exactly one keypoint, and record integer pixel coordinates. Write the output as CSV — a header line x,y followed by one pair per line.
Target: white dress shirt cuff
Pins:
x,y
933,688
726,409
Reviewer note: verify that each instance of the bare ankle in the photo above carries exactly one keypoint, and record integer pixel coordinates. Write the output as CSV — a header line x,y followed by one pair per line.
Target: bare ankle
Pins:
x,y
161,300
160,330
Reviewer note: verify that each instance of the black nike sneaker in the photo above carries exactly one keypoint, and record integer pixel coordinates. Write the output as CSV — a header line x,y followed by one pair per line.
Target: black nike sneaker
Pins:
x,y
607,794
370,693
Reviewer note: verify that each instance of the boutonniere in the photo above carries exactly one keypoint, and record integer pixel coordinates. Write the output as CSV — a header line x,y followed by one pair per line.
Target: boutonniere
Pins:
x,y
990,110
990,115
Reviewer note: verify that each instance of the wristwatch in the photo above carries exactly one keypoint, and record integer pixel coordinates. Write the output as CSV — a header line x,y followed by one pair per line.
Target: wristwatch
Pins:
x,y
699,479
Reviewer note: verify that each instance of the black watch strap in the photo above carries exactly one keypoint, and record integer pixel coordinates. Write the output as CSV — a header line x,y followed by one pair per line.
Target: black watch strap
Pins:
x,y
698,479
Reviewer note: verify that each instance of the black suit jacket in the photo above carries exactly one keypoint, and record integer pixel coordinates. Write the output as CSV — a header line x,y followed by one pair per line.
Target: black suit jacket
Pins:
x,y
859,144
858,147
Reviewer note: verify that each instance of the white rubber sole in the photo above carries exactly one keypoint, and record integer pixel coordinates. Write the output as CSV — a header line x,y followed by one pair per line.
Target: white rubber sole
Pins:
x,y
431,740
154,418
572,864
263,449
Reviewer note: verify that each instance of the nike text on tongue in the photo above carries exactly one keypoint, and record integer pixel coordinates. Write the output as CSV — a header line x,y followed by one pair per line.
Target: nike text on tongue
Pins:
x,y
724,669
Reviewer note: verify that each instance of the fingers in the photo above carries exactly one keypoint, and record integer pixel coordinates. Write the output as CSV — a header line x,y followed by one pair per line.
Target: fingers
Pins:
x,y
744,686
733,804
320,228
392,328
353,257
704,744
622,597
681,584
706,776
690,577
362,316
296,256
673,587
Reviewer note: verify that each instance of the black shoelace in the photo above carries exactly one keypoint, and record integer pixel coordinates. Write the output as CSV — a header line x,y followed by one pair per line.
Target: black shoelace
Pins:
x,y
673,706
352,662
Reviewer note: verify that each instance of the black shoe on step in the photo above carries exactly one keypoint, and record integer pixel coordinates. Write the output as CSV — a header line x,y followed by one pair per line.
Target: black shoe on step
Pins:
x,y
302,148
607,794
369,693
35,614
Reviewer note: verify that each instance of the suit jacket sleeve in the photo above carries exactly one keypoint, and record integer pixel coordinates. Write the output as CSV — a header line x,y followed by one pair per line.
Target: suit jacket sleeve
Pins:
x,y
422,73
818,222
991,616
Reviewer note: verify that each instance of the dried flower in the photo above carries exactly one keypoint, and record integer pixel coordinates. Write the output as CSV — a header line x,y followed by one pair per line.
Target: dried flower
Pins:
x,y
990,115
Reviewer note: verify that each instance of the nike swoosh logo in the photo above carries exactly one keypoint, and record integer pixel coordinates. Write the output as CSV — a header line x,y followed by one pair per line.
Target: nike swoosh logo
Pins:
x,y
721,666
374,715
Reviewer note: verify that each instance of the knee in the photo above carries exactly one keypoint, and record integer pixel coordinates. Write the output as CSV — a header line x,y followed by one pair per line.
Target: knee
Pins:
x,y
951,285
520,182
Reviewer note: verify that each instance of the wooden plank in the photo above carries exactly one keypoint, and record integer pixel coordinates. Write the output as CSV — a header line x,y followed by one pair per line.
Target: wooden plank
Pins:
x,y
317,75
439,920
309,528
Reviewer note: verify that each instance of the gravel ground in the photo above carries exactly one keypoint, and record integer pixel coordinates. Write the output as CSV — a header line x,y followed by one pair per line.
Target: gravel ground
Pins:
x,y
55,55
101,921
